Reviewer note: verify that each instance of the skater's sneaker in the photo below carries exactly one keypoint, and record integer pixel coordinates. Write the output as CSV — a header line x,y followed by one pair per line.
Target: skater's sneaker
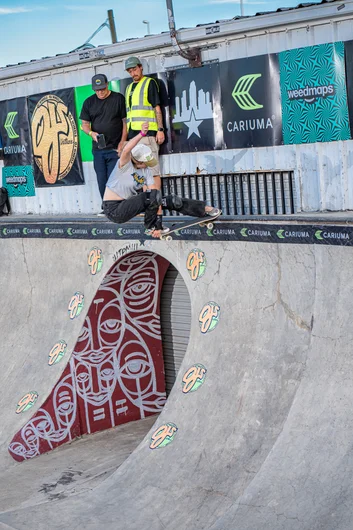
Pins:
x,y
163,231
213,213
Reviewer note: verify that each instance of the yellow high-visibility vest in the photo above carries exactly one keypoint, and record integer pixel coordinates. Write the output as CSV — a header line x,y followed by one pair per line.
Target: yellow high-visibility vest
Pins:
x,y
140,110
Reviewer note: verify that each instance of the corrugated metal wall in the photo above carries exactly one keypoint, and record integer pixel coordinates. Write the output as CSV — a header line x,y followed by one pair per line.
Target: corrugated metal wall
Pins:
x,y
322,172
175,323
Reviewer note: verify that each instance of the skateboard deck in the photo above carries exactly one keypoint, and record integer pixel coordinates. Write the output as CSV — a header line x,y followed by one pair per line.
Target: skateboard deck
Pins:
x,y
201,221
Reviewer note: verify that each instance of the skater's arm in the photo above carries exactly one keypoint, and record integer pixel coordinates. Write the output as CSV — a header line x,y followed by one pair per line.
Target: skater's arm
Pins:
x,y
126,152
123,138
151,187
150,182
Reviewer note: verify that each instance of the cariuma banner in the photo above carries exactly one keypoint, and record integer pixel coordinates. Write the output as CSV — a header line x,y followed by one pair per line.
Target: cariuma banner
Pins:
x,y
251,102
15,132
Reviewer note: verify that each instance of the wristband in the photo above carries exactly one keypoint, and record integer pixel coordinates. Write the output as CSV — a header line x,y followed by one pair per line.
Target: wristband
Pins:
x,y
90,133
143,134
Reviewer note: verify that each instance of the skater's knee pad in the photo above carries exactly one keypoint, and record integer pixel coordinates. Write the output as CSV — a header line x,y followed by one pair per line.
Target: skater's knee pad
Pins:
x,y
153,199
173,202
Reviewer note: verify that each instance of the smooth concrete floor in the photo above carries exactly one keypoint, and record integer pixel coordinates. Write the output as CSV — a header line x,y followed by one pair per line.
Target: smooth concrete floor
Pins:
x,y
72,468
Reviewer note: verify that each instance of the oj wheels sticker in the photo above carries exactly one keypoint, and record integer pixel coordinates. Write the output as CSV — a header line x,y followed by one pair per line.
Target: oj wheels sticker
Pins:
x,y
193,378
163,436
209,317
26,402
95,260
57,352
196,264
76,305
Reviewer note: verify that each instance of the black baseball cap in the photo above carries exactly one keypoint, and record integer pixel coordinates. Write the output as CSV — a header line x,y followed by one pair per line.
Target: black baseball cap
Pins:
x,y
99,82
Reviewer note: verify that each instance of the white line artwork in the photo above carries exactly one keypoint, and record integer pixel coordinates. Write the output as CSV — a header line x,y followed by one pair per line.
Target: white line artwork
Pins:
x,y
116,372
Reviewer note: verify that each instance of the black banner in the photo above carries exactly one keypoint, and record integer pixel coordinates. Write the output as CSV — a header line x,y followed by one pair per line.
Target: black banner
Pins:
x,y
15,134
251,102
195,110
55,139
221,231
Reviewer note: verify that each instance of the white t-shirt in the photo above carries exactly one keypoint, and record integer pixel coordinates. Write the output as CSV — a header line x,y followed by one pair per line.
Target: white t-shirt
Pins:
x,y
128,181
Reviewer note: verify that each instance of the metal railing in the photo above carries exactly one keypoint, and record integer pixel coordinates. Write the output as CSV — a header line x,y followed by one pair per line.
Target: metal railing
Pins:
x,y
260,193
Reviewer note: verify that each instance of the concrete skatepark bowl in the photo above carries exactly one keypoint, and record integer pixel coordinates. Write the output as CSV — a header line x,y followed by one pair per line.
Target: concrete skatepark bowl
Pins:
x,y
257,431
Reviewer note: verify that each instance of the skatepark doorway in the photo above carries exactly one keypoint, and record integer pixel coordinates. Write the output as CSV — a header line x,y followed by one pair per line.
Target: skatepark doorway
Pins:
x,y
175,323
115,373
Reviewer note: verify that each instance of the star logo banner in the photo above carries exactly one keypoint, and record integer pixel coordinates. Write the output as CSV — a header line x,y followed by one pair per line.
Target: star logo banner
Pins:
x,y
195,110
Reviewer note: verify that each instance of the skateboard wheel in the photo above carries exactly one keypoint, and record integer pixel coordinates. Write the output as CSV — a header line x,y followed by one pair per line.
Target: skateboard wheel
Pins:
x,y
210,226
168,238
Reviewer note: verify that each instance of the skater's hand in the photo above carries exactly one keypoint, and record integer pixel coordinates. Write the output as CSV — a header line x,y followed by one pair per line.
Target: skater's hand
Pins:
x,y
156,234
145,127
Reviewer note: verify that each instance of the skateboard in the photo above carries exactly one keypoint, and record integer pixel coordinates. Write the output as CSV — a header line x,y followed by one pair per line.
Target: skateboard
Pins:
x,y
201,221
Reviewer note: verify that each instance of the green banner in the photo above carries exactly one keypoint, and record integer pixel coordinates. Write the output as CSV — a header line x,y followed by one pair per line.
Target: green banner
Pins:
x,y
82,93
314,95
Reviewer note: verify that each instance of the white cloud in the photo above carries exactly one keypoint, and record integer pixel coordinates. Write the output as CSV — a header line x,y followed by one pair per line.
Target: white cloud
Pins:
x,y
14,10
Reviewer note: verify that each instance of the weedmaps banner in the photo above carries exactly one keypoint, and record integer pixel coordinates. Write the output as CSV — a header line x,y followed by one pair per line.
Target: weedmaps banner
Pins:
x,y
314,96
55,139
251,102
349,75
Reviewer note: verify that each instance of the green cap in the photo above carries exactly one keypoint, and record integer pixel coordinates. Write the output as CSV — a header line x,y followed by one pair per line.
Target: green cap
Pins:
x,y
131,62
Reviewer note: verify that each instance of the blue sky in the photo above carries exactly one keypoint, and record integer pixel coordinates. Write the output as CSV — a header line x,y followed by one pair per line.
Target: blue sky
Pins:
x,y
31,29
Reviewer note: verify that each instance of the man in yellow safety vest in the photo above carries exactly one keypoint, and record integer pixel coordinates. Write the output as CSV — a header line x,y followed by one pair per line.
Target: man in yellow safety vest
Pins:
x,y
143,105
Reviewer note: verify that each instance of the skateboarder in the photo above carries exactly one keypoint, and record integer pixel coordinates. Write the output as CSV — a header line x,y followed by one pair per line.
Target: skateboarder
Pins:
x,y
130,190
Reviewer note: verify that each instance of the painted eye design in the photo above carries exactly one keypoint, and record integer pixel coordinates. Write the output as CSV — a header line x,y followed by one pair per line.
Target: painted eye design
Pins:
x,y
107,374
30,436
82,378
44,426
135,368
140,289
65,408
111,326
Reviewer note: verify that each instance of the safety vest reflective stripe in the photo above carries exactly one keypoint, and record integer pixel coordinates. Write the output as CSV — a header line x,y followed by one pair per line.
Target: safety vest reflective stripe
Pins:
x,y
142,107
145,119
140,110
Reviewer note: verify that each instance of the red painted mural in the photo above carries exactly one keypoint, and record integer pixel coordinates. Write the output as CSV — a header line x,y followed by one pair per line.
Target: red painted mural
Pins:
x,y
116,371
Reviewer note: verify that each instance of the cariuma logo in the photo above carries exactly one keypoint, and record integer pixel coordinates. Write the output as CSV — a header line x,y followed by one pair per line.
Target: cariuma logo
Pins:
x,y
8,125
241,92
